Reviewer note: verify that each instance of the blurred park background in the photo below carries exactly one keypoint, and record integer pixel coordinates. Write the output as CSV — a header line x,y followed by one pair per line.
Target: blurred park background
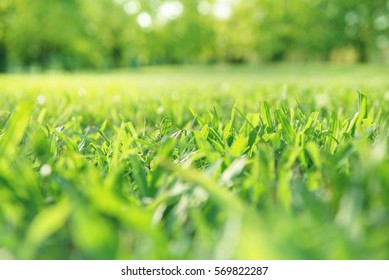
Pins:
x,y
105,34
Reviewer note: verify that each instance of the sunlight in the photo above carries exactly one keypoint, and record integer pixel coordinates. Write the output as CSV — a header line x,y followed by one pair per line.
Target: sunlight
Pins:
x,y
222,9
169,11
204,8
132,7
144,20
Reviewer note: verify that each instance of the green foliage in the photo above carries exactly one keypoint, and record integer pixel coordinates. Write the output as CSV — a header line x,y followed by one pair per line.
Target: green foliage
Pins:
x,y
78,34
223,164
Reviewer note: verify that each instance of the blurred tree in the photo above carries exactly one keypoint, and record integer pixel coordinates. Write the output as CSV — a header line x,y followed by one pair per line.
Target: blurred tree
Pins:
x,y
236,34
187,38
75,34
349,23
279,27
110,31
42,33
6,9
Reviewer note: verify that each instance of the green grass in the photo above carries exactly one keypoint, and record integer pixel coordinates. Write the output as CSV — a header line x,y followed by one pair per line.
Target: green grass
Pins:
x,y
278,162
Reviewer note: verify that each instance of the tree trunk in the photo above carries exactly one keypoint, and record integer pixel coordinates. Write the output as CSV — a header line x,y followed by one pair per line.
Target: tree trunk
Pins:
x,y
3,57
361,47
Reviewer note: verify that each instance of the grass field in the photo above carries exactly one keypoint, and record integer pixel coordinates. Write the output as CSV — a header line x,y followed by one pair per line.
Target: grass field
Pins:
x,y
272,162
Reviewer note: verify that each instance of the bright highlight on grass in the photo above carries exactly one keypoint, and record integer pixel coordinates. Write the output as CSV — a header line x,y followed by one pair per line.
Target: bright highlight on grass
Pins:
x,y
124,168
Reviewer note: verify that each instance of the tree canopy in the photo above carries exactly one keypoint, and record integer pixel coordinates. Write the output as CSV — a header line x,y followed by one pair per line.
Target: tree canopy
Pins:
x,y
78,34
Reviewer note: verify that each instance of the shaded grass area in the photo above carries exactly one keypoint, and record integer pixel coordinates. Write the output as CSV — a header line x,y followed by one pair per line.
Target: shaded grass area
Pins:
x,y
278,162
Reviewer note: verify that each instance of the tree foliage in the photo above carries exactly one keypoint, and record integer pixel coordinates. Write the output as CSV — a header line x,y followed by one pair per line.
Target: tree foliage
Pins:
x,y
76,34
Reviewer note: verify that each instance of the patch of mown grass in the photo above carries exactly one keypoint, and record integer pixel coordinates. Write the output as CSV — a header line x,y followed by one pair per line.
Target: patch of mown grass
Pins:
x,y
96,169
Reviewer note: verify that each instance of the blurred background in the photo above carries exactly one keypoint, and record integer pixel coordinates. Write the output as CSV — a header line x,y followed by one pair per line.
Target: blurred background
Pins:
x,y
104,34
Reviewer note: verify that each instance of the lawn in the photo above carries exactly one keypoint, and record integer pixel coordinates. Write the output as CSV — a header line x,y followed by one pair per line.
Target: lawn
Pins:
x,y
219,162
